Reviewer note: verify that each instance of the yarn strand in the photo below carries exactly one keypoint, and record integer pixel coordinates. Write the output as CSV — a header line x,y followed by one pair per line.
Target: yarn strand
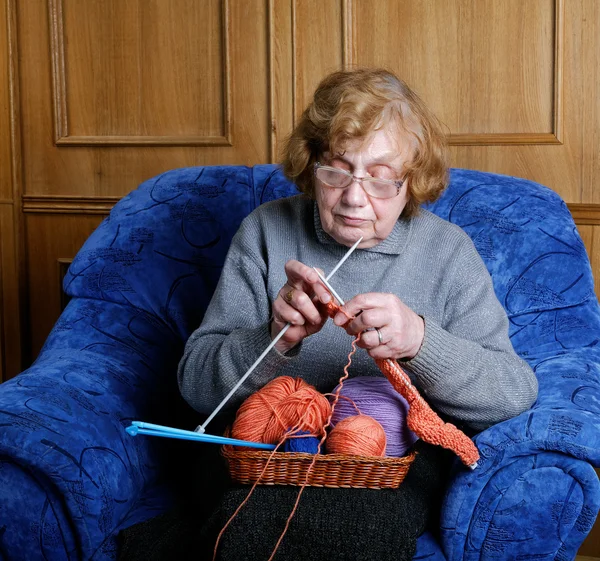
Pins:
x,y
321,442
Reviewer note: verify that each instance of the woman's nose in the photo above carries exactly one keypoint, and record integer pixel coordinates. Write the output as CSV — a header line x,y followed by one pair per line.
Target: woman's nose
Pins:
x,y
354,194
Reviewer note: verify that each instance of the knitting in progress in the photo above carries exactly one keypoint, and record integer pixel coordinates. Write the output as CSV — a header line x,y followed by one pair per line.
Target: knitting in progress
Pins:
x,y
421,419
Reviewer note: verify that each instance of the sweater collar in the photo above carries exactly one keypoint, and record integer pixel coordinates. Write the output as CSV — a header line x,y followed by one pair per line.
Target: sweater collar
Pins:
x,y
392,245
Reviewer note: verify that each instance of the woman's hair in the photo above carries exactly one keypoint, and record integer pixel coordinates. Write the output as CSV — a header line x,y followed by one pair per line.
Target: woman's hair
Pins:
x,y
351,105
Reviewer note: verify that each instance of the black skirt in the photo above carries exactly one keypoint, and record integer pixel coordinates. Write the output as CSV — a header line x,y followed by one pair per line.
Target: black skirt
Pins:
x,y
328,525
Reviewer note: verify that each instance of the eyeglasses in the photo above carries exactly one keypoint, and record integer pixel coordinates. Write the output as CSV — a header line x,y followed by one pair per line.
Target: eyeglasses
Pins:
x,y
341,179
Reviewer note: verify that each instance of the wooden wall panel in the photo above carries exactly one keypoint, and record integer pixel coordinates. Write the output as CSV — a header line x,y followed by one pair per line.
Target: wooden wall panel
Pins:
x,y
51,239
281,73
497,79
141,72
591,238
589,64
559,166
10,303
5,152
110,166
11,266
318,43
5,161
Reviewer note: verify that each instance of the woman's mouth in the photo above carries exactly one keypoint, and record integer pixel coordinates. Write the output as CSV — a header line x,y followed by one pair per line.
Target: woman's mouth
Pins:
x,y
351,220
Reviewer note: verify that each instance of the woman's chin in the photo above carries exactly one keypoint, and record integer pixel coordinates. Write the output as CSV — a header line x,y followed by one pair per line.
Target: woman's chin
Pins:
x,y
348,236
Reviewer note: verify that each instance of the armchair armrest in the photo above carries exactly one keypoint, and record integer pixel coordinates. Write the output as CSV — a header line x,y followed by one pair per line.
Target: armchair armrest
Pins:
x,y
535,490
69,473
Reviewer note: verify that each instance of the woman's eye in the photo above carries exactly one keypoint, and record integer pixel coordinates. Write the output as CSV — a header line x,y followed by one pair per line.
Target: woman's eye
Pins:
x,y
381,172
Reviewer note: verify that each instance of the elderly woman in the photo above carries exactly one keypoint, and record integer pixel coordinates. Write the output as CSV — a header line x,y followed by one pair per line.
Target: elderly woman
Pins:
x,y
365,154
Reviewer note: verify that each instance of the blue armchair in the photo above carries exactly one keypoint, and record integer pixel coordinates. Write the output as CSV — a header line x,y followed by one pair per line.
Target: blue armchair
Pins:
x,y
71,478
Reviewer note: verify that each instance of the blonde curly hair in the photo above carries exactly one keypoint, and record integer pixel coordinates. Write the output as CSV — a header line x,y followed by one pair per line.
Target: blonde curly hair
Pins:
x,y
352,104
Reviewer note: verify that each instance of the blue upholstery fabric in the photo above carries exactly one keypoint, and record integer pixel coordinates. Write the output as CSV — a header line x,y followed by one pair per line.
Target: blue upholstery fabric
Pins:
x,y
71,478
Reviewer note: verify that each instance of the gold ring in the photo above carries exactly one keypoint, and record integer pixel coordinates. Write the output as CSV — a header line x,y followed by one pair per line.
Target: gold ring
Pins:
x,y
289,295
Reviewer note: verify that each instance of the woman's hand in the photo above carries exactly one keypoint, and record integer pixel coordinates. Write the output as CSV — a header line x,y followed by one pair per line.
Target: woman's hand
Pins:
x,y
390,328
295,304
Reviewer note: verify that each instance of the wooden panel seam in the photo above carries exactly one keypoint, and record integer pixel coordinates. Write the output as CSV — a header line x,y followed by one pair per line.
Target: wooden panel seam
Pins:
x,y
347,35
585,214
59,88
271,77
493,139
294,55
582,213
68,204
19,305
554,137
559,34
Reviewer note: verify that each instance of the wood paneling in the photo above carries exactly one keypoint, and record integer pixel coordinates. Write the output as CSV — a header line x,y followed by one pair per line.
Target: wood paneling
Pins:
x,y
318,45
12,268
591,238
140,72
498,79
51,239
5,157
11,308
68,205
281,73
142,100
5,153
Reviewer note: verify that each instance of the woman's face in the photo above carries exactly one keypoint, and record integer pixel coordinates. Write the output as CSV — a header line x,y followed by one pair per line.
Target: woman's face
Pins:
x,y
347,214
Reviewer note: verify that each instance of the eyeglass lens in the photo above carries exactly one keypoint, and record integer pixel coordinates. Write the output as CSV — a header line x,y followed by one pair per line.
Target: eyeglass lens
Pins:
x,y
340,179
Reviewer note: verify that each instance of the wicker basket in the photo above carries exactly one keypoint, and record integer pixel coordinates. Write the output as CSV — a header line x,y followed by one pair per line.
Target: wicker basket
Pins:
x,y
330,470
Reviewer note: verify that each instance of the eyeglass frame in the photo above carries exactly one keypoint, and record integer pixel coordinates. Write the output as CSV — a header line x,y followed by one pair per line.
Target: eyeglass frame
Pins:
x,y
399,183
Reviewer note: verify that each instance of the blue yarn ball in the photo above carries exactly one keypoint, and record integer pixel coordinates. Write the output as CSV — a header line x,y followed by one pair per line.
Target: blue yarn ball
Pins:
x,y
305,444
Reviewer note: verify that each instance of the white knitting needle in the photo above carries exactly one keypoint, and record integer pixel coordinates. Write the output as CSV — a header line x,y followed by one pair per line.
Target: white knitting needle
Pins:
x,y
202,428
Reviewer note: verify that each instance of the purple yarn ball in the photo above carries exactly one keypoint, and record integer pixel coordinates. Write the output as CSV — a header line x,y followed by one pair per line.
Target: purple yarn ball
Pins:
x,y
375,396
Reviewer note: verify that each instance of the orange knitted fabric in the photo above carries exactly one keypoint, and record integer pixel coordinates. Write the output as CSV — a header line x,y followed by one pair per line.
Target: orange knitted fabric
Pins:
x,y
421,419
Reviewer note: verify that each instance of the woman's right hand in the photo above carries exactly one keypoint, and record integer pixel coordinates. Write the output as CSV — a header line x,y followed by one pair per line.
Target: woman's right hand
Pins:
x,y
295,304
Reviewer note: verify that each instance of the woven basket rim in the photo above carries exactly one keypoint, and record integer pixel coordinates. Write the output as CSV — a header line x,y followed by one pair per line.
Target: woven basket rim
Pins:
x,y
229,451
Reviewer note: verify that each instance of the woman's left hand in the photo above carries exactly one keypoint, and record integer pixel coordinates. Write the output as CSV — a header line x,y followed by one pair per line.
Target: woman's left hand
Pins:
x,y
390,329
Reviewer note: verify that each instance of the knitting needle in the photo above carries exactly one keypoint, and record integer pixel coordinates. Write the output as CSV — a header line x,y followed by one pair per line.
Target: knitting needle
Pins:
x,y
329,287
150,429
202,428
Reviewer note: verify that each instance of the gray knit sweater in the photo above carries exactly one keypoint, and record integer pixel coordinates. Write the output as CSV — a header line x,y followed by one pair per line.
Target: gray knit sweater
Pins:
x,y
466,367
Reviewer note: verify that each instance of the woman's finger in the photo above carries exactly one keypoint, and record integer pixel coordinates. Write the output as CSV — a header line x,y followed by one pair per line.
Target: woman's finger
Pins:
x,y
368,319
369,339
302,276
361,303
296,301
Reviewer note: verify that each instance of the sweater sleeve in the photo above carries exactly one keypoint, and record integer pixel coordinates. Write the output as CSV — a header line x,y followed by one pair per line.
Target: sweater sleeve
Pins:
x,y
467,367
234,332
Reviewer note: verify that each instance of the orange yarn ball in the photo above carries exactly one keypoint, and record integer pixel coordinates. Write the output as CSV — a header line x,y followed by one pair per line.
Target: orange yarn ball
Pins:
x,y
284,403
359,435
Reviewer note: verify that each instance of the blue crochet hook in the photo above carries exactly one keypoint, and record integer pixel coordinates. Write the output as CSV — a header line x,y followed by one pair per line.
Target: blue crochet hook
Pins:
x,y
150,429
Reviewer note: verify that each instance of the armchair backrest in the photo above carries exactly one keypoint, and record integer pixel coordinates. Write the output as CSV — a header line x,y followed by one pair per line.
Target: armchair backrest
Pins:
x,y
527,238
163,245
